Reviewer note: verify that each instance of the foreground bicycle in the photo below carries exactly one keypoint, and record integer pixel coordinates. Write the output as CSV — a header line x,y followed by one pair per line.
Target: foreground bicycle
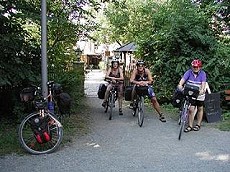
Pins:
x,y
190,92
110,103
40,132
138,104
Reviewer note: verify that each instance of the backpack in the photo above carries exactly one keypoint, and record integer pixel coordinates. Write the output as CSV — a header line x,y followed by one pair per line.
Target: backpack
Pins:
x,y
101,91
64,103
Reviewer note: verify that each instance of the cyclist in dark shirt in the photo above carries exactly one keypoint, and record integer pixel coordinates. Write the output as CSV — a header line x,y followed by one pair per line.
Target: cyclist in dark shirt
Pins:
x,y
142,76
115,74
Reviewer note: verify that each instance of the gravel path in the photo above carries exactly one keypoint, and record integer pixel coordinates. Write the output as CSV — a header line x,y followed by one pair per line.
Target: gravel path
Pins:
x,y
120,145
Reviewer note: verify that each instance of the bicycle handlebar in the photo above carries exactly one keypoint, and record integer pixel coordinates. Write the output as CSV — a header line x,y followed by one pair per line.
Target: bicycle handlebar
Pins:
x,y
109,80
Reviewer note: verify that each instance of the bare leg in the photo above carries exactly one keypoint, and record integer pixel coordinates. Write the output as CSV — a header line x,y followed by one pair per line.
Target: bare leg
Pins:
x,y
109,87
156,106
191,116
200,115
133,93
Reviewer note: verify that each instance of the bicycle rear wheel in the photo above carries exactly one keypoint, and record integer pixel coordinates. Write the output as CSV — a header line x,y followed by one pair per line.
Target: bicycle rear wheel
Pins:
x,y
140,113
40,134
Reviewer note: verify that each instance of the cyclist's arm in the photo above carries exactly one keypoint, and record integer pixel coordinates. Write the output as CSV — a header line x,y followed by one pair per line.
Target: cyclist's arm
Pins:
x,y
132,78
150,78
202,88
181,83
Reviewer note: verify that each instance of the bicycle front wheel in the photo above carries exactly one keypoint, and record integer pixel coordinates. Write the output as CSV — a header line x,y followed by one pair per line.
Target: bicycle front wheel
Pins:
x,y
140,113
183,121
40,134
181,129
111,105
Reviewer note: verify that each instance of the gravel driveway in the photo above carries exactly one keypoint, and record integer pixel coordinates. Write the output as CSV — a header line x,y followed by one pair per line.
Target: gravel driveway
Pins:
x,y
120,145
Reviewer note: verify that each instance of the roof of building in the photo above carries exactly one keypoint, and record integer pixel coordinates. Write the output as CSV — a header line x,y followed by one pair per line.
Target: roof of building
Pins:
x,y
129,47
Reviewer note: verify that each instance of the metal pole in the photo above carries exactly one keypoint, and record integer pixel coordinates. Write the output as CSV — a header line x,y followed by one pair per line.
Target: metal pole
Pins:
x,y
43,48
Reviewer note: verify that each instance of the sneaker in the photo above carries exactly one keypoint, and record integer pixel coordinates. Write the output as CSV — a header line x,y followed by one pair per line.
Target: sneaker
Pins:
x,y
131,106
162,118
104,104
120,112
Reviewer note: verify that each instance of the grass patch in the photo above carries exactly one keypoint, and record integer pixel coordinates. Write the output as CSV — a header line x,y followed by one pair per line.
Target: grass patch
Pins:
x,y
9,139
77,123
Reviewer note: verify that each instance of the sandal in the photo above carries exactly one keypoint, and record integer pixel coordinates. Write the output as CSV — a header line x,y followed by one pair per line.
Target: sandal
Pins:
x,y
162,118
188,129
196,128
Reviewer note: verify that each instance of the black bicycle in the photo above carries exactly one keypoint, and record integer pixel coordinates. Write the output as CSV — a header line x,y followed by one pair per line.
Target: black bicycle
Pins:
x,y
40,132
138,103
190,93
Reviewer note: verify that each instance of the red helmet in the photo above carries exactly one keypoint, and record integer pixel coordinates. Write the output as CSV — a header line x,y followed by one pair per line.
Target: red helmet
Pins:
x,y
196,63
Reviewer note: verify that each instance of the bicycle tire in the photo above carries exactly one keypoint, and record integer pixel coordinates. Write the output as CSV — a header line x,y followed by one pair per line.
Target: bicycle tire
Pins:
x,y
140,114
183,120
181,129
27,137
111,105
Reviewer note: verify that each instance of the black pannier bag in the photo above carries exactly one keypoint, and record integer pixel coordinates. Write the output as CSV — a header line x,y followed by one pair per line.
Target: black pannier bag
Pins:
x,y
191,90
27,94
128,93
142,90
177,98
64,103
101,91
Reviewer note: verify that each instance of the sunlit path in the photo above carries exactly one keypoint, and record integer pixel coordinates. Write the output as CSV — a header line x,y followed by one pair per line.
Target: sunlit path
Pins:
x,y
92,81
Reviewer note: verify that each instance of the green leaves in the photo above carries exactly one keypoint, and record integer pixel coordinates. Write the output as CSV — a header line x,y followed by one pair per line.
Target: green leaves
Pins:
x,y
169,35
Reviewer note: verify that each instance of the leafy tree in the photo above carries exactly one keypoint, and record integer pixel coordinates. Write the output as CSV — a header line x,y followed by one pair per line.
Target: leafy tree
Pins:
x,y
20,53
20,33
169,34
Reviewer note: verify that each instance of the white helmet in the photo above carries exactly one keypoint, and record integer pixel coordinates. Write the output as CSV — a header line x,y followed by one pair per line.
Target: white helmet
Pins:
x,y
114,59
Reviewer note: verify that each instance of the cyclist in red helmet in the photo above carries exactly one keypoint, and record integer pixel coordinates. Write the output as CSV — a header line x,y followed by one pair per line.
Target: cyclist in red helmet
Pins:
x,y
195,76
